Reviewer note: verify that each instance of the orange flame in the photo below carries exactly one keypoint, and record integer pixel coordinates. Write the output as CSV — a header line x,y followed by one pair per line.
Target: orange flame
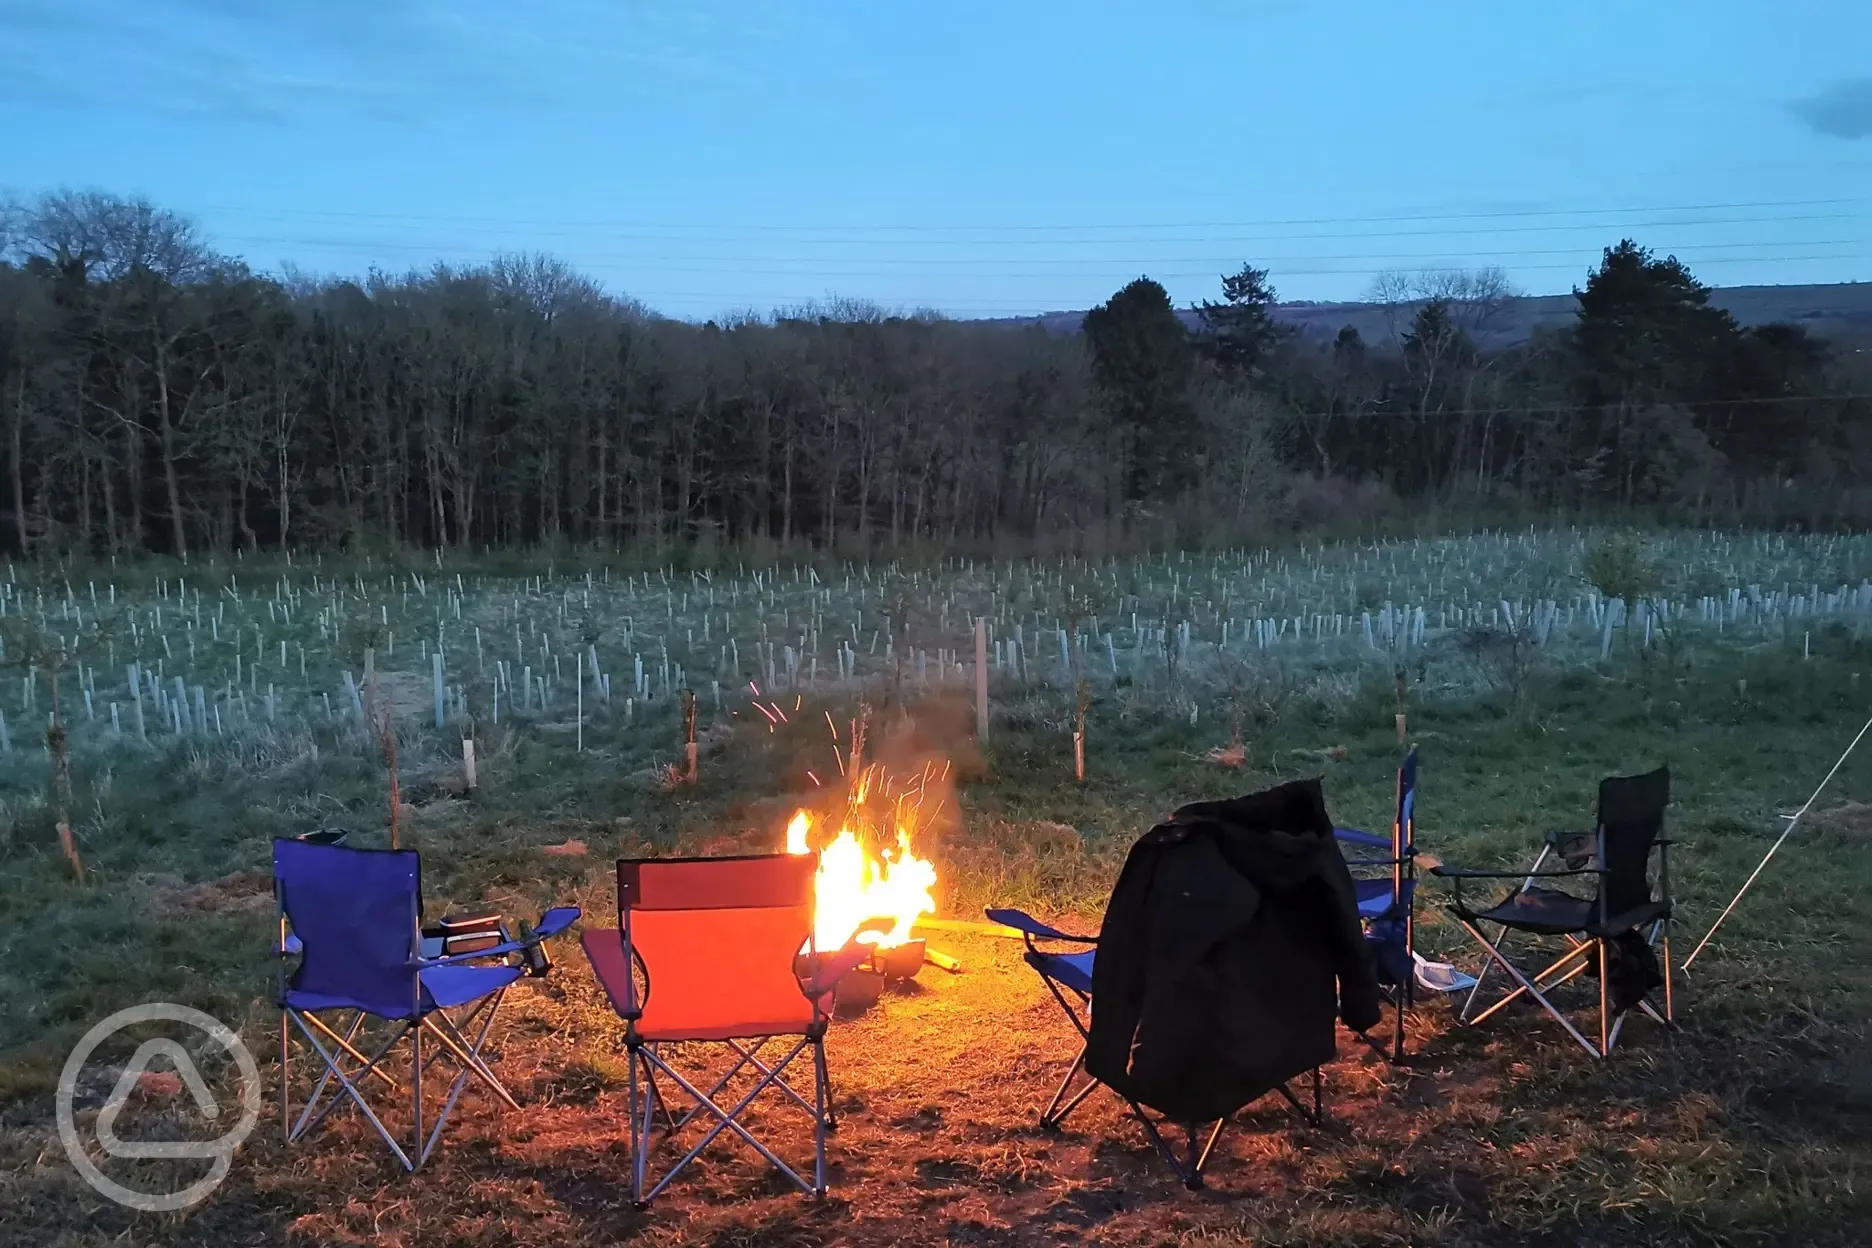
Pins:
x,y
853,886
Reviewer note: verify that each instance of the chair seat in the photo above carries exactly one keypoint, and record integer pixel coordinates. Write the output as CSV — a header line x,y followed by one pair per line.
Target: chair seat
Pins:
x,y
1545,911
1550,912
1073,970
443,988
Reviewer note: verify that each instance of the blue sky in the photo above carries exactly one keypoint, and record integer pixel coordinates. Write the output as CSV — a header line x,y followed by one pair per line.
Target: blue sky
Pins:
x,y
985,159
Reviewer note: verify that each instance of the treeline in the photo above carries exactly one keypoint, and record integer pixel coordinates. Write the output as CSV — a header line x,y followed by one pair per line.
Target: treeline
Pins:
x,y
158,396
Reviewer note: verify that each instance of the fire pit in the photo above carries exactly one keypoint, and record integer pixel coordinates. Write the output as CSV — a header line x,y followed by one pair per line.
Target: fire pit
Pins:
x,y
859,989
898,962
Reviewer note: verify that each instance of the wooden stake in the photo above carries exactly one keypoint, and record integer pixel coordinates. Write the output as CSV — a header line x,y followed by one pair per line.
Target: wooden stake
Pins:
x,y
981,679
387,735
860,730
690,753
1400,708
1079,726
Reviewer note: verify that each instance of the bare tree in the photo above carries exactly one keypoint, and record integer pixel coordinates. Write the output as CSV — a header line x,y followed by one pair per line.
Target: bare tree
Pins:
x,y
1475,298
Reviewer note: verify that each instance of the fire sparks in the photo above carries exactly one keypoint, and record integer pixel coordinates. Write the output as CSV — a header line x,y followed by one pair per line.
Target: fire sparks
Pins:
x,y
854,886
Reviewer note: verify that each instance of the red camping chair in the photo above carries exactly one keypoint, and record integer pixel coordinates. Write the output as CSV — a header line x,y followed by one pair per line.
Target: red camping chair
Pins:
x,y
708,950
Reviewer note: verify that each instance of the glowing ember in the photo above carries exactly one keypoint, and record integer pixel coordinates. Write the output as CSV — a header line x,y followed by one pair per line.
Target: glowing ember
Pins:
x,y
853,886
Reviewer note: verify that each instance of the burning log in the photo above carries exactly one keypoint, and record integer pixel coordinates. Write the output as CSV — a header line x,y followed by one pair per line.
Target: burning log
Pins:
x,y
942,961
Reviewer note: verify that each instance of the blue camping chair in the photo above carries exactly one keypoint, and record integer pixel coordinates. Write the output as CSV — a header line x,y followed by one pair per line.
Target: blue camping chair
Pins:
x,y
1387,903
352,919
1068,976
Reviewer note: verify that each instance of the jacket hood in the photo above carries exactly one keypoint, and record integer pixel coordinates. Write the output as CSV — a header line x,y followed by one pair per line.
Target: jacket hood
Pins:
x,y
1275,838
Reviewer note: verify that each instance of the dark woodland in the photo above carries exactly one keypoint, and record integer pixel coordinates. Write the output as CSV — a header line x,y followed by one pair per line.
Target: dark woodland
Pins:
x,y
159,397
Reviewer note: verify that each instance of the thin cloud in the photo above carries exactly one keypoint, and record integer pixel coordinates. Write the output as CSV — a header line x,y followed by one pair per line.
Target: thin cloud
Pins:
x,y
1842,110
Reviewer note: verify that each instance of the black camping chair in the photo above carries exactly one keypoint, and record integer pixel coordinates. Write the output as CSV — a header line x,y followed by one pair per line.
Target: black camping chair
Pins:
x,y
1618,933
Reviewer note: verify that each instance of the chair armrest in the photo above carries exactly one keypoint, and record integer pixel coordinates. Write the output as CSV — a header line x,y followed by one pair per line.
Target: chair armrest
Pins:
x,y
554,921
604,948
1458,873
836,967
1371,840
551,923
1033,928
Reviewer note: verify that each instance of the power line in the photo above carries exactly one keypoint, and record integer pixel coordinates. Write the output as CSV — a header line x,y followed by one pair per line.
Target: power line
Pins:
x,y
431,219
1625,227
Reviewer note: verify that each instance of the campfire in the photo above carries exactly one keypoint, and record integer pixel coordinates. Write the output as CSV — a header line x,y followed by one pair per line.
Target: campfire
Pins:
x,y
855,885
870,883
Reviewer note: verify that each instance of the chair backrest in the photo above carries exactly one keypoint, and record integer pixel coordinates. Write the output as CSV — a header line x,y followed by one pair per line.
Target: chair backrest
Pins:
x,y
1404,829
1631,819
717,939
356,913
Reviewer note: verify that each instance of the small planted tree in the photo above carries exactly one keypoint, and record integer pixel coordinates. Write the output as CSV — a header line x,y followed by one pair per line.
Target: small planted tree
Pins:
x,y
363,633
1617,568
41,652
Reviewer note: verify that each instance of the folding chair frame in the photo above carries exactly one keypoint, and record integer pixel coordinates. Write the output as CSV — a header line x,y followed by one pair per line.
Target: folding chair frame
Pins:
x,y
646,1099
1582,948
1189,1164
647,1062
451,1042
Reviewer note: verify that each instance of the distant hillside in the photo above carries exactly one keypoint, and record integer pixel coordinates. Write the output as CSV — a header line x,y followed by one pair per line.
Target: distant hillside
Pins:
x,y
1839,310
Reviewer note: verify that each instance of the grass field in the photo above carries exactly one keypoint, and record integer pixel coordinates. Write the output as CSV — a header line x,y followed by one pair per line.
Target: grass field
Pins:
x,y
1526,679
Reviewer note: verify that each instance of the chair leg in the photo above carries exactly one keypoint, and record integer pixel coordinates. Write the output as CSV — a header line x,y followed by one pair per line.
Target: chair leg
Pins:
x,y
1528,985
416,1065
1605,997
729,1120
827,1113
285,1037
1475,989
823,1106
1054,1115
313,1113
467,1055
640,1130
1542,979
1670,1005
347,1087
1190,1169
1317,1116
751,1057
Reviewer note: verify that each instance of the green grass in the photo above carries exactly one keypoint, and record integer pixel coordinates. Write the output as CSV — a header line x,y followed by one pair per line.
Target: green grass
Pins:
x,y
1754,1125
